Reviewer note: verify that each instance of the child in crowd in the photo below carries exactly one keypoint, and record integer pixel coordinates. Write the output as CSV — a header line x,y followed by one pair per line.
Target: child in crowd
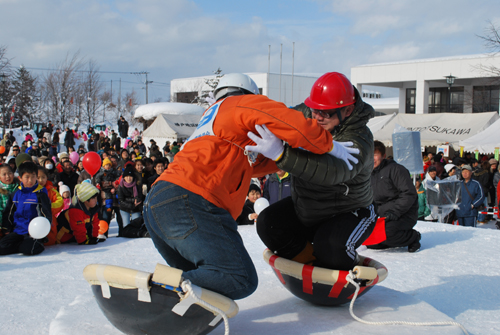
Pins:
x,y
80,222
65,193
29,201
248,215
130,196
56,203
159,167
105,179
8,184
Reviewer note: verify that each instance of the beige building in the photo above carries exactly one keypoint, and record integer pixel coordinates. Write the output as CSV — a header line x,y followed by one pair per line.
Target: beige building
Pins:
x,y
460,84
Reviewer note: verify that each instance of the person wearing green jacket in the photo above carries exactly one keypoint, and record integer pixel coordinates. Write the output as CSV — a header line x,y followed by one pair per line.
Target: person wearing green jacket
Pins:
x,y
423,209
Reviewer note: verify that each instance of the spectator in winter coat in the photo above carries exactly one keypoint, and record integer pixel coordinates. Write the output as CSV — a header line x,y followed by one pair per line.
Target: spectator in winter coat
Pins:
x,y
472,198
56,139
277,187
80,222
105,180
397,200
29,201
34,150
159,167
430,175
135,134
8,184
56,203
481,174
142,147
124,158
423,209
52,173
130,196
69,140
69,176
491,182
248,215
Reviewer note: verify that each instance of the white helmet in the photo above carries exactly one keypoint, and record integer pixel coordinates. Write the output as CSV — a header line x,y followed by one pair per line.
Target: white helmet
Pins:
x,y
235,82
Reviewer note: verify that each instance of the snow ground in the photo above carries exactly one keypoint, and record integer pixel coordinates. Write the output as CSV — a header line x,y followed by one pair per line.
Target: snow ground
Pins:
x,y
454,276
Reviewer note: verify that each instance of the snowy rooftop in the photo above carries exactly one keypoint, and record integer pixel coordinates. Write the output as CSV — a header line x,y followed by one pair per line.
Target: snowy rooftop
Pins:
x,y
454,276
436,59
151,111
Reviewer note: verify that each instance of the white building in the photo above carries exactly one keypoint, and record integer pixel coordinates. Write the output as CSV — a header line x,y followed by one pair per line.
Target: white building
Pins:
x,y
423,86
291,90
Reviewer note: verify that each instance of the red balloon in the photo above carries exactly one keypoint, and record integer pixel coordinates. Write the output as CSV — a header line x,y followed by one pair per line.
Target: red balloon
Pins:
x,y
91,162
2,149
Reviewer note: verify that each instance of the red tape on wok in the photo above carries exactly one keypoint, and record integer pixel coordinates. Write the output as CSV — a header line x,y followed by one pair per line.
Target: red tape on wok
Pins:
x,y
272,259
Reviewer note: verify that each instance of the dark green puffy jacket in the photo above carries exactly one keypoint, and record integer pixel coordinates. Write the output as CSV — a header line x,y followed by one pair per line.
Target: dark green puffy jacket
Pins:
x,y
322,185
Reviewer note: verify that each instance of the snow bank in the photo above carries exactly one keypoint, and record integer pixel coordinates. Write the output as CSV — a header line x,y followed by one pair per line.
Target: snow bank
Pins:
x,y
454,276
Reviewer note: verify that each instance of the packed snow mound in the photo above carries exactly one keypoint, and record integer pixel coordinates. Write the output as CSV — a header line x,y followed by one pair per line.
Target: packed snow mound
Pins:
x,y
454,276
151,111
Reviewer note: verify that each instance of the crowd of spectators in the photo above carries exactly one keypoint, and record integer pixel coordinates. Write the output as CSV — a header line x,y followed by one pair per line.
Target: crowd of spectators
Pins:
x,y
479,179
45,176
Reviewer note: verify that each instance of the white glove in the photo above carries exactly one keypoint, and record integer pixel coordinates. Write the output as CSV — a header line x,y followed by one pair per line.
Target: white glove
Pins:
x,y
343,151
267,144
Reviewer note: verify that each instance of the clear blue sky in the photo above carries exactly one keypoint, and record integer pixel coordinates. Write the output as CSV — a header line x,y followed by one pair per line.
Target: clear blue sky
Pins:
x,y
181,38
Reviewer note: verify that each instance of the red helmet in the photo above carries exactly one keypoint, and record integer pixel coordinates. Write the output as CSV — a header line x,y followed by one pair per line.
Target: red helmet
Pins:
x,y
331,90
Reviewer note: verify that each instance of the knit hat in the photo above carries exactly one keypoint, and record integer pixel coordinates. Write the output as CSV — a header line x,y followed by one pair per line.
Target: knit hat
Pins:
x,y
21,158
254,187
63,155
84,192
129,171
493,161
63,188
448,167
467,167
106,161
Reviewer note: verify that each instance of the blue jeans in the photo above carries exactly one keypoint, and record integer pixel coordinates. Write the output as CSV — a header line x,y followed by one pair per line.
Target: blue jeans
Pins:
x,y
127,217
199,238
469,221
482,217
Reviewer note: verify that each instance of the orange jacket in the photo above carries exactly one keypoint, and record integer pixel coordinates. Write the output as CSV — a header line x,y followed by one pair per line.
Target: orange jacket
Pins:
x,y
215,166
57,204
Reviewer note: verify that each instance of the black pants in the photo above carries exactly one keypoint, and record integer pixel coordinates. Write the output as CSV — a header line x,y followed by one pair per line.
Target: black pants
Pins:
x,y
14,243
334,241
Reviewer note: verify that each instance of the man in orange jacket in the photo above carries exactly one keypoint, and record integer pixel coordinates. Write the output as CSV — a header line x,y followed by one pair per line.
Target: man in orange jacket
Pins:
x,y
190,211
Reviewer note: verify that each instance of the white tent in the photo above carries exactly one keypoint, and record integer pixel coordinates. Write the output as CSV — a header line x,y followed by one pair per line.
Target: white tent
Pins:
x,y
171,128
378,122
485,142
151,111
439,128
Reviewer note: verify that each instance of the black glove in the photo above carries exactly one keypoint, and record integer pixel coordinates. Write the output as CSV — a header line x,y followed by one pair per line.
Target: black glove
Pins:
x,y
390,216
90,240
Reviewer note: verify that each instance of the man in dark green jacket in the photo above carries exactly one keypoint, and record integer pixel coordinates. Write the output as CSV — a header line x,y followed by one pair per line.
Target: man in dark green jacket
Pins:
x,y
330,212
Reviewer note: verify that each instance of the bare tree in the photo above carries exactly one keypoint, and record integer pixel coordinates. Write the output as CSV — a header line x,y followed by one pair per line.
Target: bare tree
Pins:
x,y
491,39
4,61
92,87
61,86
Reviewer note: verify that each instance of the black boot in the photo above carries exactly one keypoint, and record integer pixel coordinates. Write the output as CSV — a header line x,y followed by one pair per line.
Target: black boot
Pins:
x,y
415,246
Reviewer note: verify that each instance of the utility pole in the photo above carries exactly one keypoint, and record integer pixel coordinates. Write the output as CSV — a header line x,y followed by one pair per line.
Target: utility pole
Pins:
x,y
120,97
147,82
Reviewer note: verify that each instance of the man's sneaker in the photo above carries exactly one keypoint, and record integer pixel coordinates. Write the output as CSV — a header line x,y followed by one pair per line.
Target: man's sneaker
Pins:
x,y
415,246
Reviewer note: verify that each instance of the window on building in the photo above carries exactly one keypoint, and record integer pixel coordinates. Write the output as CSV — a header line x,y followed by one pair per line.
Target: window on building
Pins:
x,y
187,97
438,100
486,99
410,101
